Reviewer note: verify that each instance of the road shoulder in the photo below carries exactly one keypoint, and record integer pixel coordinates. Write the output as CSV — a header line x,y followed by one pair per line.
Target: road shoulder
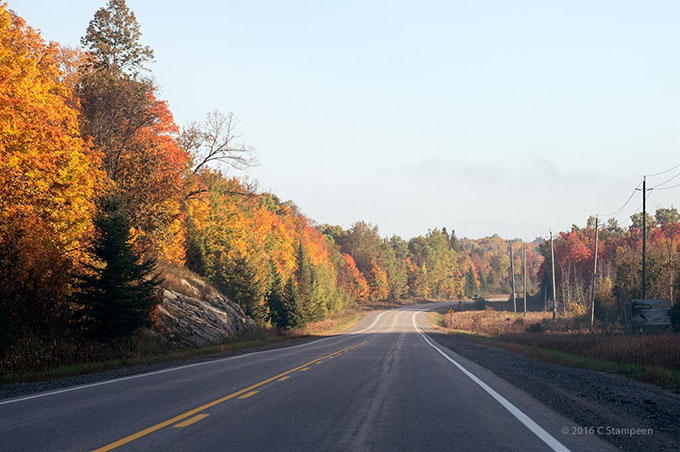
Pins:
x,y
589,399
12,390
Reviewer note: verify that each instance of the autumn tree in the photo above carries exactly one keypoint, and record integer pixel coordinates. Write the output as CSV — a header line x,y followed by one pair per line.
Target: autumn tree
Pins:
x,y
636,219
378,283
363,243
214,143
669,224
134,131
48,178
394,262
351,279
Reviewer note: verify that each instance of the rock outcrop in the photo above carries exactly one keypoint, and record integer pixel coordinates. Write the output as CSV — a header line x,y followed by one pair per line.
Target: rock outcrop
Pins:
x,y
199,315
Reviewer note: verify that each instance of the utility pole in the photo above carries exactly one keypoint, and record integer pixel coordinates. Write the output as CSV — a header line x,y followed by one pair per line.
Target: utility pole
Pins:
x,y
644,238
524,275
592,303
554,286
512,270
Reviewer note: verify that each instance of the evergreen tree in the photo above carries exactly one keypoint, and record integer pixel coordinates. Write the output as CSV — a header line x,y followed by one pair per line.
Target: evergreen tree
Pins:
x,y
454,243
304,274
113,36
322,281
119,293
244,287
276,297
471,286
293,313
483,284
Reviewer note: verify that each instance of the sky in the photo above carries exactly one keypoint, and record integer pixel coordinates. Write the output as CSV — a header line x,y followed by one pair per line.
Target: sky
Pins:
x,y
480,116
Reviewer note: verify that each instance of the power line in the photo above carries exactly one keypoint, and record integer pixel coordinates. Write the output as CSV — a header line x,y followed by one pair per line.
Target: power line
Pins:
x,y
615,213
664,172
630,218
618,211
668,188
665,182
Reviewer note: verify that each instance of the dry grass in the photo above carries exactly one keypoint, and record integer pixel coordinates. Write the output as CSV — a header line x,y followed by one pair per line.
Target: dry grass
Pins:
x,y
333,324
40,359
661,350
183,281
35,359
40,354
570,335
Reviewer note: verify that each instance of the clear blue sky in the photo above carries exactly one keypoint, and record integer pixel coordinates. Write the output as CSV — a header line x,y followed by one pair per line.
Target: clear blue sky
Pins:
x,y
481,116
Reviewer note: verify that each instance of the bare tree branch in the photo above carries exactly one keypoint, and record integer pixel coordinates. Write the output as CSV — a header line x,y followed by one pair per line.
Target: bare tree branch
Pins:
x,y
215,142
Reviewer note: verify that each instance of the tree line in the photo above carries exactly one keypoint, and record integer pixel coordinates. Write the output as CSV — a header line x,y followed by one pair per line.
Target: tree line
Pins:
x,y
618,279
98,183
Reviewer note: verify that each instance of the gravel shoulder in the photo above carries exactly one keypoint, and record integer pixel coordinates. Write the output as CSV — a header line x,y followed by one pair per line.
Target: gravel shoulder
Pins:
x,y
588,398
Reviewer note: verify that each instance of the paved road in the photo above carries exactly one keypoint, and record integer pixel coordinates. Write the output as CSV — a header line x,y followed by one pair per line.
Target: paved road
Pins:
x,y
383,386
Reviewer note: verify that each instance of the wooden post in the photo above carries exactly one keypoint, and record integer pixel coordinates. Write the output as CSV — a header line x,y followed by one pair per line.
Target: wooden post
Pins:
x,y
524,277
592,302
554,287
512,271
644,238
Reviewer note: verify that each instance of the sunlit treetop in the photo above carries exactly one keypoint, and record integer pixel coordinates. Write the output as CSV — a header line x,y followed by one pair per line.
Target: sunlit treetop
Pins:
x,y
113,39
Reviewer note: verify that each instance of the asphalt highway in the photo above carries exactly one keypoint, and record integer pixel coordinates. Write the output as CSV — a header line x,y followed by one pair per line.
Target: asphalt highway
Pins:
x,y
383,386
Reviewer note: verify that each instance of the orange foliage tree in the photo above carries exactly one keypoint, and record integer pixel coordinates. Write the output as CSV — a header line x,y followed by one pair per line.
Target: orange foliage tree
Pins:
x,y
134,131
47,177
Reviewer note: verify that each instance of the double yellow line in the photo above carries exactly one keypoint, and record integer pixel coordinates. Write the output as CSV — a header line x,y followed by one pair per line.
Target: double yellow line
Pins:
x,y
194,411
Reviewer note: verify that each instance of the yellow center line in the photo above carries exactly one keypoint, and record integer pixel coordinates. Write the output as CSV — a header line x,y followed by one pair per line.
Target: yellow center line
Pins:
x,y
154,428
248,394
319,362
191,420
304,369
283,378
394,319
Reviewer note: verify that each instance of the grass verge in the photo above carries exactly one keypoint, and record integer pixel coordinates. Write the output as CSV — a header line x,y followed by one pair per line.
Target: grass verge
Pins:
x,y
333,325
91,367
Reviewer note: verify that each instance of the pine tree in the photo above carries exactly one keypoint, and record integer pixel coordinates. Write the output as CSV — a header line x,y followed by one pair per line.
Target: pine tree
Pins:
x,y
294,316
113,36
276,297
305,277
244,287
120,292
470,282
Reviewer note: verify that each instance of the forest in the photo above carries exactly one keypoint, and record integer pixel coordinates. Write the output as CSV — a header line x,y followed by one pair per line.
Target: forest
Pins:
x,y
619,268
100,190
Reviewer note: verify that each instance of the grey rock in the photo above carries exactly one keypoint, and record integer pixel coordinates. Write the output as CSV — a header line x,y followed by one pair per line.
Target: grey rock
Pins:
x,y
205,317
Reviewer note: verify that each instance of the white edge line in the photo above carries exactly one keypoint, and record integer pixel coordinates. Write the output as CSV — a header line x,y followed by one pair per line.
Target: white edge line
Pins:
x,y
171,369
372,324
523,418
